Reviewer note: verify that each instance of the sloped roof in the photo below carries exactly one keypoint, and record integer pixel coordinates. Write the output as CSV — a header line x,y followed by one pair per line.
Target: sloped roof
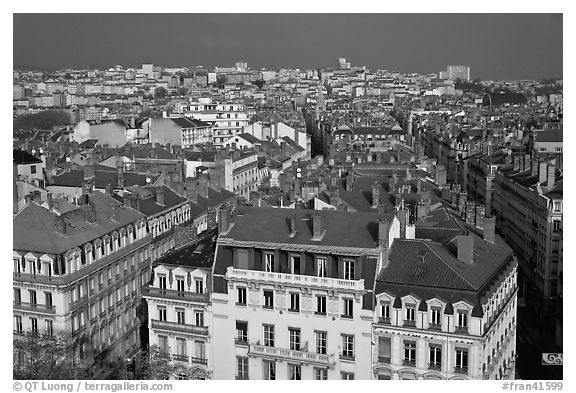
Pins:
x,y
199,254
74,178
22,157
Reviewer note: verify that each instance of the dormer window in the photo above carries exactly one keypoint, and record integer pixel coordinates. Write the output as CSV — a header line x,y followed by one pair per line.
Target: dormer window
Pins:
x,y
321,267
462,321
162,281
349,269
269,262
410,315
435,315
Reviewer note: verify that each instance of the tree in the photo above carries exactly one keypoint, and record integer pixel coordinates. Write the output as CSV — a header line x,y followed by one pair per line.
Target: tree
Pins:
x,y
260,83
37,357
160,92
44,120
155,364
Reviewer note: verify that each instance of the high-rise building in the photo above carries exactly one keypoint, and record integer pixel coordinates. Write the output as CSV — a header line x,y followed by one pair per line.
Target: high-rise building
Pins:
x,y
458,72
148,70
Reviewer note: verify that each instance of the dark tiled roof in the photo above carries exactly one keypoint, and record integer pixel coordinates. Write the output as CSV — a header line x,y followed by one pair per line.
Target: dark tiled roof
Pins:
x,y
22,157
199,254
205,156
551,135
149,207
249,137
74,178
343,229
33,227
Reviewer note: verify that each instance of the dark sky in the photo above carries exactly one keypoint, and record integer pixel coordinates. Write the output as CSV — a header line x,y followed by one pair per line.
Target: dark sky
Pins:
x,y
496,46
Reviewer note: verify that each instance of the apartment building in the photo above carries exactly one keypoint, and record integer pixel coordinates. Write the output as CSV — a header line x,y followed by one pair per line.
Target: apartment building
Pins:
x,y
292,293
236,171
446,305
179,311
79,272
226,119
180,131
528,204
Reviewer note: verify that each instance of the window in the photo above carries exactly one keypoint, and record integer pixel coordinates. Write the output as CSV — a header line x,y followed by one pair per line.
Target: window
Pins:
x,y
348,308
162,313
321,305
242,367
410,353
180,283
435,361
557,206
321,374
410,315
269,262
294,302
242,331
321,342
348,346
348,270
163,344
33,299
162,281
18,323
199,284
268,299
199,350
462,321
556,225
461,360
384,349
269,370
49,327
32,169
241,296
180,346
34,325
17,296
435,320
294,372
348,376
268,335
180,315
295,265
385,312
321,267
294,337
199,317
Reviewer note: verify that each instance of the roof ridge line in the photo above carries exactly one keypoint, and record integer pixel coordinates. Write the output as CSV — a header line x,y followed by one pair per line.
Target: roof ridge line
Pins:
x,y
450,267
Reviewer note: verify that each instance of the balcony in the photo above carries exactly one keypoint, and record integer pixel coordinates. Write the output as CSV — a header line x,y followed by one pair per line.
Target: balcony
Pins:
x,y
164,355
180,358
384,359
180,327
349,358
79,303
290,354
434,366
198,360
19,332
295,280
434,326
385,321
242,377
35,307
409,323
178,295
461,329
410,363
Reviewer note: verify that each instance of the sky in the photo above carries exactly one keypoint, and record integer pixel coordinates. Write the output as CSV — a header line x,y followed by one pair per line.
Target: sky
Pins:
x,y
495,46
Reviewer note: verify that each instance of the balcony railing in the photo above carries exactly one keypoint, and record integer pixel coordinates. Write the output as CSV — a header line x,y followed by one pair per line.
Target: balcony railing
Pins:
x,y
35,307
385,321
435,366
164,355
180,358
179,295
290,354
347,357
242,377
79,303
434,326
409,323
198,360
411,363
461,329
383,359
296,280
19,332
180,327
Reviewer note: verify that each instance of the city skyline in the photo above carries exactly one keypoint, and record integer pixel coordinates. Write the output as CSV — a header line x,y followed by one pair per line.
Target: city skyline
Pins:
x,y
495,46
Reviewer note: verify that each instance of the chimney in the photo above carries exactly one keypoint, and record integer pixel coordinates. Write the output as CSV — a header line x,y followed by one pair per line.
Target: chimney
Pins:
x,y
179,188
526,162
192,189
419,186
408,175
60,225
317,230
89,210
542,172
50,201
120,169
109,189
293,225
465,248
516,161
203,185
403,218
37,197
551,179
375,195
489,229
160,196
534,167
114,212
223,220
421,211
383,233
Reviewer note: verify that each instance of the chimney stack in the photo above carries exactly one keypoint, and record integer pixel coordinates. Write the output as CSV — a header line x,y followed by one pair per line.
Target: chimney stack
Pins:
x,y
403,218
192,189
89,209
293,225
203,185
383,233
317,230
223,220
465,248
375,195
179,188
489,229
120,169
419,186
160,196
542,172
551,179
60,225
109,189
